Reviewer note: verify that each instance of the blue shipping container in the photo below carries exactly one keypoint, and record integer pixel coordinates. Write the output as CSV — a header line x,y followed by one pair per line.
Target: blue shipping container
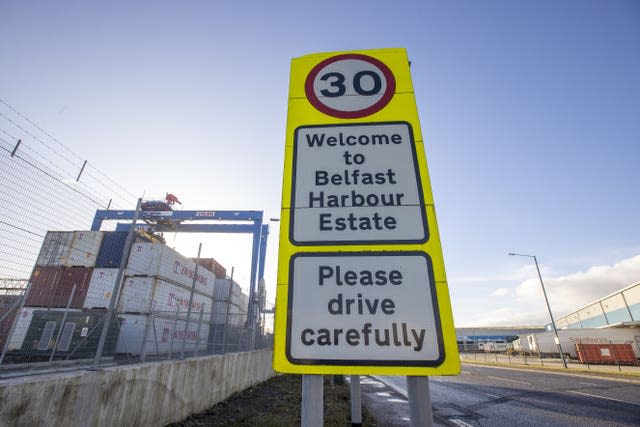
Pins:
x,y
110,253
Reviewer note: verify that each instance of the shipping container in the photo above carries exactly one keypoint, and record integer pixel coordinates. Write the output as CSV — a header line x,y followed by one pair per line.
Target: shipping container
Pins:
x,y
163,335
237,297
101,287
140,294
113,246
23,321
112,249
69,249
7,314
606,354
544,342
158,260
229,314
52,286
77,338
212,265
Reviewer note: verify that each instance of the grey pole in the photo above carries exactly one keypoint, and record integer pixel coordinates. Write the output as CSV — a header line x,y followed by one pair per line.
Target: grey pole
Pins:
x,y
198,333
544,292
226,313
312,401
356,401
553,323
419,401
116,287
193,288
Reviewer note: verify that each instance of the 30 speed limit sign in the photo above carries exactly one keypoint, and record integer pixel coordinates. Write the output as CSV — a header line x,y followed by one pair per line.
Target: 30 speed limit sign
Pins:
x,y
350,86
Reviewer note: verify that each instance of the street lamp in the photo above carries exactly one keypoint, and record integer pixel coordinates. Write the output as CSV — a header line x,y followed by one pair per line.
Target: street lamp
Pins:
x,y
553,323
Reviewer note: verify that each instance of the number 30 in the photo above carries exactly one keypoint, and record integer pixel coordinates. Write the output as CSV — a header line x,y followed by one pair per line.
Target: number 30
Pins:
x,y
341,89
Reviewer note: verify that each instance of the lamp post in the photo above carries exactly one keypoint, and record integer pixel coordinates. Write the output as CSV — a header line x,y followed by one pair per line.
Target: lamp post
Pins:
x,y
544,292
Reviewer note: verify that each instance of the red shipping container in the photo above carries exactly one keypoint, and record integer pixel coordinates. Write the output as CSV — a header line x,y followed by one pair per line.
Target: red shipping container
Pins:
x,y
52,286
606,354
212,265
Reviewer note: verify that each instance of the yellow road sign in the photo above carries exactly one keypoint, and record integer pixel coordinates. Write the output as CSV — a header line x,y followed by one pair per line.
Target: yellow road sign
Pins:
x,y
361,280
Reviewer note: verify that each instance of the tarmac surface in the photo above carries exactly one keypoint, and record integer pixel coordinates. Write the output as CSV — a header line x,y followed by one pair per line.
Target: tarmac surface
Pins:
x,y
487,394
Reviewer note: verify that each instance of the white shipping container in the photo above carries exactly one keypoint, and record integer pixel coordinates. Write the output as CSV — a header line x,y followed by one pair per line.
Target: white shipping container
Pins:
x,y
101,288
156,259
235,316
163,335
136,295
238,297
544,342
70,249
141,294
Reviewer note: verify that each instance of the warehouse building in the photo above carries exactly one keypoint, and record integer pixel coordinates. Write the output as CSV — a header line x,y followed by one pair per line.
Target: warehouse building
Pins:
x,y
491,338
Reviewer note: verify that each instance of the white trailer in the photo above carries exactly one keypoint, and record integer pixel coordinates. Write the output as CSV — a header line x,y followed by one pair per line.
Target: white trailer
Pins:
x,y
544,342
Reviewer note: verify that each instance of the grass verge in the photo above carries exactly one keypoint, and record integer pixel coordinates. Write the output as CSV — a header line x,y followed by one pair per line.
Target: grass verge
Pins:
x,y
276,402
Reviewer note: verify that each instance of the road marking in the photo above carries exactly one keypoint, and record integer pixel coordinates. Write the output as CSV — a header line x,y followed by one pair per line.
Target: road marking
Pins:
x,y
583,374
493,395
397,388
586,383
602,397
383,394
459,422
511,381
464,372
396,400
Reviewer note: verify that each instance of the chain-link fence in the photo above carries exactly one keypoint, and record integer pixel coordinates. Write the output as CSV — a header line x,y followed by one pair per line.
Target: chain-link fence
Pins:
x,y
79,309
583,354
95,297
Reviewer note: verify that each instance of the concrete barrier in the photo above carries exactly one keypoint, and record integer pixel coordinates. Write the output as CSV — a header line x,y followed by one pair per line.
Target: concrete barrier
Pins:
x,y
148,394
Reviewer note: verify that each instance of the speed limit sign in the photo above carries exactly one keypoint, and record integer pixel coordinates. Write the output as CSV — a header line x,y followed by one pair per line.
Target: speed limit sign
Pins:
x,y
350,86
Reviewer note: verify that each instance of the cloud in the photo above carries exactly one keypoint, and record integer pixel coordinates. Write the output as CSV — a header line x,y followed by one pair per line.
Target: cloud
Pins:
x,y
501,292
520,273
507,317
571,292
566,294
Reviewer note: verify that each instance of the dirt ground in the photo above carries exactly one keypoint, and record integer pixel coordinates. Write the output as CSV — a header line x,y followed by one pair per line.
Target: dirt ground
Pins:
x,y
276,402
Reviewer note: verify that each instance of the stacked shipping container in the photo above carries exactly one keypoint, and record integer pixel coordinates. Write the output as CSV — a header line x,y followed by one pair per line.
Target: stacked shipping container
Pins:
x,y
155,301
155,297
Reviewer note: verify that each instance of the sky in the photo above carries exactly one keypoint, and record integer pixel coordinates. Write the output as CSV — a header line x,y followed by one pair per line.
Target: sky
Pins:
x,y
530,113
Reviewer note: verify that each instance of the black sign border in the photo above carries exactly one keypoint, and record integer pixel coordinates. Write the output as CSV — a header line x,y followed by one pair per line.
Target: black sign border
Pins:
x,y
362,362
292,206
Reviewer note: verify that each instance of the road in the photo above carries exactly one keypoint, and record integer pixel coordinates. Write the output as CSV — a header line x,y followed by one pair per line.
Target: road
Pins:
x,y
487,396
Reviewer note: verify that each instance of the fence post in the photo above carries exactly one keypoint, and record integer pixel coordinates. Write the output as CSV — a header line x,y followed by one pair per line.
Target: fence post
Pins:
x,y
64,319
198,333
193,287
226,314
615,356
173,332
143,350
117,286
586,355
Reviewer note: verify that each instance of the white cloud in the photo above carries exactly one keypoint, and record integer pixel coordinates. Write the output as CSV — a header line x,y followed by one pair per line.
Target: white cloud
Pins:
x,y
566,294
501,292
570,292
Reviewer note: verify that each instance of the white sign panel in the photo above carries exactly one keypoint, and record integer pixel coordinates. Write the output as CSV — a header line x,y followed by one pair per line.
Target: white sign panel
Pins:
x,y
365,308
356,184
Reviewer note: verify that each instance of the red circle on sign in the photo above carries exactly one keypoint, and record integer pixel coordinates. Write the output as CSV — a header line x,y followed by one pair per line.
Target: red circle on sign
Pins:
x,y
355,114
